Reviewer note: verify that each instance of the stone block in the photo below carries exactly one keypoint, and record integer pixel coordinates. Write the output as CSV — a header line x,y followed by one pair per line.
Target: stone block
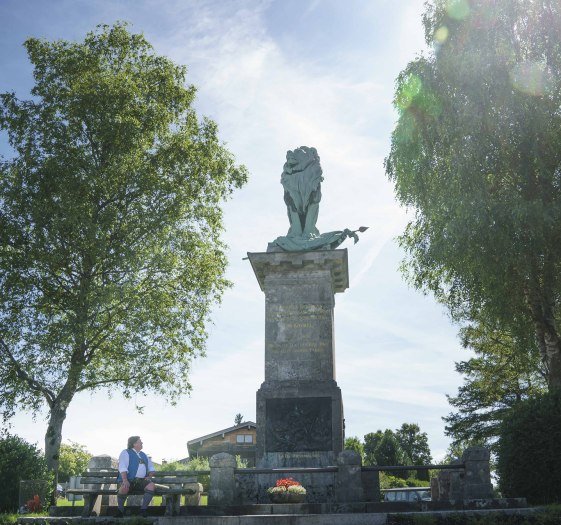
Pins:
x,y
222,481
477,476
194,498
371,486
349,477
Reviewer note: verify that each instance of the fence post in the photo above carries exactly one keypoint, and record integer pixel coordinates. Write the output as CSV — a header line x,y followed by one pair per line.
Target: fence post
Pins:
x,y
477,477
222,482
349,477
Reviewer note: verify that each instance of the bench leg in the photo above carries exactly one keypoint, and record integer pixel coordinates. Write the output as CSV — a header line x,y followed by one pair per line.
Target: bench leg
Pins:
x,y
169,505
89,502
176,504
173,504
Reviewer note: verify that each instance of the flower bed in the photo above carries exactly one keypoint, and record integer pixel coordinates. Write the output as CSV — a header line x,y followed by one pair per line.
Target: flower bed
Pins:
x,y
287,490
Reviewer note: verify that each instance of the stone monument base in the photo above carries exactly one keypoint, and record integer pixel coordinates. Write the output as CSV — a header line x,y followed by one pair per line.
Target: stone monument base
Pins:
x,y
299,424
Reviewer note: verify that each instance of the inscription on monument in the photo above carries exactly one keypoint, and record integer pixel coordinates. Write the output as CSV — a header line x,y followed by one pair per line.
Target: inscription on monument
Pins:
x,y
298,424
299,327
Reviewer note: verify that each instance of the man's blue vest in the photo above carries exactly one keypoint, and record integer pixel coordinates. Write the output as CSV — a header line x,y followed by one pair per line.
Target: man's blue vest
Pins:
x,y
133,464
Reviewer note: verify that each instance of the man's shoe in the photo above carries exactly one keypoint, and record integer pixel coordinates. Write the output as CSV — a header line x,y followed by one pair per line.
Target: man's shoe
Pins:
x,y
119,514
144,513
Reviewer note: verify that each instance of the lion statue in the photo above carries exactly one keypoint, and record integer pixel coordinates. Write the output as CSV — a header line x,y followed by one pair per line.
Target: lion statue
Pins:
x,y
301,179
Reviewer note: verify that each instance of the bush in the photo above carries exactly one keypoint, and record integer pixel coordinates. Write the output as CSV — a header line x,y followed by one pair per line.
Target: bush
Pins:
x,y
73,460
387,481
193,464
529,463
19,460
8,519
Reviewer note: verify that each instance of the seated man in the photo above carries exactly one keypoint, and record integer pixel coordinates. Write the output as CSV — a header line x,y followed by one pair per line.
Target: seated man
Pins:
x,y
135,471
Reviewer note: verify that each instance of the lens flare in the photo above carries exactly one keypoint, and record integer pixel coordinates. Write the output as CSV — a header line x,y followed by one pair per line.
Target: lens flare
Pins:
x,y
457,9
441,34
531,78
408,91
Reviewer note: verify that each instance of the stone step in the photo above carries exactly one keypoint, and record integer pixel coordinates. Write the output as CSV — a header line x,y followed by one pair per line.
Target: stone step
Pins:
x,y
374,518
279,519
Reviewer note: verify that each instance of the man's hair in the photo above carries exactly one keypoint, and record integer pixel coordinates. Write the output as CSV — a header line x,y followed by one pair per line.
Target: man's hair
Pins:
x,y
132,440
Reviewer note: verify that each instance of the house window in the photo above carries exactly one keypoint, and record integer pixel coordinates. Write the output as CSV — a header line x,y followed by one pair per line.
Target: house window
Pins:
x,y
244,438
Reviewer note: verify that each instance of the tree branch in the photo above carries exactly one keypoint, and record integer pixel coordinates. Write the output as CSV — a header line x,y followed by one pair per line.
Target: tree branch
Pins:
x,y
22,374
93,384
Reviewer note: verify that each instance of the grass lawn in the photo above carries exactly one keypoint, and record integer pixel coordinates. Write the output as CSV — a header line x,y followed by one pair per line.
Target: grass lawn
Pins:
x,y
156,501
63,502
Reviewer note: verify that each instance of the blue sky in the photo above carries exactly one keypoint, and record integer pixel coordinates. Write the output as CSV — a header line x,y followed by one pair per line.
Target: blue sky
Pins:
x,y
276,75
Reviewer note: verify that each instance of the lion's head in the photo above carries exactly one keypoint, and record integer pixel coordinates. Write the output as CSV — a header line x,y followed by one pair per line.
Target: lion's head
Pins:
x,y
300,159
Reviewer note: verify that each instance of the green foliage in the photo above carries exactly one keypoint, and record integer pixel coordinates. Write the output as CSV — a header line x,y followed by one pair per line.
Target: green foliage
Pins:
x,y
8,519
195,464
241,462
201,464
19,460
529,463
387,481
504,371
238,419
389,452
405,446
354,443
172,465
371,442
415,445
73,460
477,153
110,222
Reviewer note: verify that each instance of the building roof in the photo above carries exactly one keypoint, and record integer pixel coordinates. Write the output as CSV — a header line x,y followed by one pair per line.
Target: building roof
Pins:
x,y
245,424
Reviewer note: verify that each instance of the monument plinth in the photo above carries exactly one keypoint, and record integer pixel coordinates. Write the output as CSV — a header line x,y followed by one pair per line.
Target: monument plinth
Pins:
x,y
299,405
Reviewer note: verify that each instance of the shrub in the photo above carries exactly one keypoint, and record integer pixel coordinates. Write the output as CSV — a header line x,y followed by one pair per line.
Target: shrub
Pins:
x,y
197,463
388,481
529,463
73,460
19,460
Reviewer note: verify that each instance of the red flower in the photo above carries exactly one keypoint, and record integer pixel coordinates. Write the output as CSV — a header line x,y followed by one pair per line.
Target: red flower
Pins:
x,y
34,505
286,482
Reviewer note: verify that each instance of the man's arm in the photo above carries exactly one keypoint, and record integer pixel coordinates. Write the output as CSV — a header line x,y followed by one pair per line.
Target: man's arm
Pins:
x,y
151,471
124,466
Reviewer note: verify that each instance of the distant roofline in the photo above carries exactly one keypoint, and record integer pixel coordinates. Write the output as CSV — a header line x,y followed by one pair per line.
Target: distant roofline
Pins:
x,y
247,424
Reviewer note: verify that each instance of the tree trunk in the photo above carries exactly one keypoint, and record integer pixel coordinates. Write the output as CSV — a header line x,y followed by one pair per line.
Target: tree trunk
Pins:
x,y
553,358
53,439
548,337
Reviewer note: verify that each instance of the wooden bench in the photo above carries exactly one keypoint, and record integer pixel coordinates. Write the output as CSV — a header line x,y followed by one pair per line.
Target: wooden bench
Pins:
x,y
168,483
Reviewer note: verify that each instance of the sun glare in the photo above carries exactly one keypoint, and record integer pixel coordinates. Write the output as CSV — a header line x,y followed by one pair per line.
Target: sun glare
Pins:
x,y
441,34
457,9
531,78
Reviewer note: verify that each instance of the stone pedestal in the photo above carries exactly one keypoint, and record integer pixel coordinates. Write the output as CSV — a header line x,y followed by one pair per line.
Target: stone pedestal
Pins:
x,y
477,479
299,405
222,483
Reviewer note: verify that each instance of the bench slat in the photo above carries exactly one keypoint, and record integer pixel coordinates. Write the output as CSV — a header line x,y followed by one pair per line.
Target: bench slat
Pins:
x,y
161,473
132,493
157,479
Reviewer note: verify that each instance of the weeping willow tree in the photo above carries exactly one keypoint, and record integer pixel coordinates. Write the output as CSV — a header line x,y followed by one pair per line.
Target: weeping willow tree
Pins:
x,y
476,153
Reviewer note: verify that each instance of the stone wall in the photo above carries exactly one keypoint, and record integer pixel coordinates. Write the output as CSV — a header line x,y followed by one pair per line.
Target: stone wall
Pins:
x,y
342,484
